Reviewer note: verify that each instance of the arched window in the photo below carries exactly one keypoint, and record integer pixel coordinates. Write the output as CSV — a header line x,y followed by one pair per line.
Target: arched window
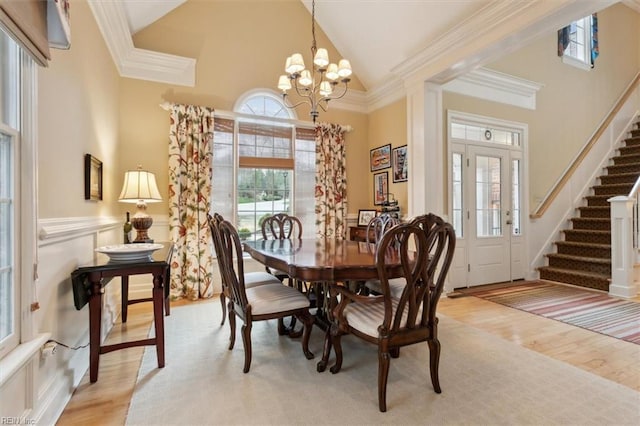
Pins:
x,y
263,163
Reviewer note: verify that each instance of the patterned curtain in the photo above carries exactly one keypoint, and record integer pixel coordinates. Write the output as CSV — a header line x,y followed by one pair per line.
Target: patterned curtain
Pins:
x,y
331,182
190,155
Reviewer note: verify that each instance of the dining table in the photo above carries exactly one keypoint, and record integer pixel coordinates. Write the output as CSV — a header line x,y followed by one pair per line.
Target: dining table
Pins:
x,y
324,262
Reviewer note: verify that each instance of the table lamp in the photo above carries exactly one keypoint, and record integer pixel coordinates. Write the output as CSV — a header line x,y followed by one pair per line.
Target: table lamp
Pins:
x,y
140,188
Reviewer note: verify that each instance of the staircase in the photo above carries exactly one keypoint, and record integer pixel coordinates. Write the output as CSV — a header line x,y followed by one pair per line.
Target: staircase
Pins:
x,y
583,258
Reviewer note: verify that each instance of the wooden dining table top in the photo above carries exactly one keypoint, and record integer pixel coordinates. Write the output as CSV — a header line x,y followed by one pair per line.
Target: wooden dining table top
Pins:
x,y
321,259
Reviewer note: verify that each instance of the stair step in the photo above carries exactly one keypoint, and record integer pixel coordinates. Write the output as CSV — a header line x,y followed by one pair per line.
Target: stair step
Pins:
x,y
597,200
626,159
595,211
587,236
619,178
576,248
613,189
595,265
582,279
591,223
623,168
629,149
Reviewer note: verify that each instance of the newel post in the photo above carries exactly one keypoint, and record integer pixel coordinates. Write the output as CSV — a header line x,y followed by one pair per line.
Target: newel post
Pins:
x,y
622,284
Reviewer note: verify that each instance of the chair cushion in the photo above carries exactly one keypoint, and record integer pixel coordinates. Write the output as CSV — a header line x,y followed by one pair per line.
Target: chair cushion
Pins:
x,y
396,286
253,279
272,298
366,318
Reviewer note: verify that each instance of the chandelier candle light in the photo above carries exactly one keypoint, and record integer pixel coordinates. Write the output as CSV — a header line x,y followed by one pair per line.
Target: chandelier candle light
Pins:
x,y
319,86
140,187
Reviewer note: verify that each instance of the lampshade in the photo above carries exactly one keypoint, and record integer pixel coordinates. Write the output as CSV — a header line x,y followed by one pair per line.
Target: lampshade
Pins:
x,y
139,185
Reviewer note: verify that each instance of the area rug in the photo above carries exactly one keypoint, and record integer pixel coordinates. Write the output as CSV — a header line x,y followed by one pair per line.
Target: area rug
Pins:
x,y
485,381
593,311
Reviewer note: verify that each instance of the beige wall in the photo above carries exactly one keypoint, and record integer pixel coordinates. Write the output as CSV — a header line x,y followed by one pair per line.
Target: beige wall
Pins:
x,y
572,102
239,46
78,106
388,125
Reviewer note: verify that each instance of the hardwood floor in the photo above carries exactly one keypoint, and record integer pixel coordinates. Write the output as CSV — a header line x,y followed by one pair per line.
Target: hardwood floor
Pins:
x,y
106,402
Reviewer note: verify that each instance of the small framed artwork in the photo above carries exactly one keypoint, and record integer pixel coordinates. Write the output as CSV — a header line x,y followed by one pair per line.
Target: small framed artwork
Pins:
x,y
365,216
92,178
380,187
399,161
380,158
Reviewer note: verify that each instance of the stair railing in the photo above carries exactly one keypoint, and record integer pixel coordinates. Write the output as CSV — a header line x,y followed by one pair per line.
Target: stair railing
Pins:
x,y
624,242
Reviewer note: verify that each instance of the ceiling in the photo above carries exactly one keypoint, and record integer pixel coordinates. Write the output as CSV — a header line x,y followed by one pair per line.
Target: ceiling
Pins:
x,y
387,38
393,31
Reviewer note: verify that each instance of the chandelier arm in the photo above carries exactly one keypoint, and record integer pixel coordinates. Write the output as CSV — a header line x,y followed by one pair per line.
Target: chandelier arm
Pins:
x,y
289,105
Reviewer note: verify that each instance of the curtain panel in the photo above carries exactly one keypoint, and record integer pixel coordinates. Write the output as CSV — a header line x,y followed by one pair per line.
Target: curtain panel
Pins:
x,y
331,182
190,157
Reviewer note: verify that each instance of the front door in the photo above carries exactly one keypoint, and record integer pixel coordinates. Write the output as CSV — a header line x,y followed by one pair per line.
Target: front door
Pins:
x,y
488,201
486,193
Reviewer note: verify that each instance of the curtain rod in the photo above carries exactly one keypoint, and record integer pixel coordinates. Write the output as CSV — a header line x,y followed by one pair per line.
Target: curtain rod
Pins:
x,y
230,114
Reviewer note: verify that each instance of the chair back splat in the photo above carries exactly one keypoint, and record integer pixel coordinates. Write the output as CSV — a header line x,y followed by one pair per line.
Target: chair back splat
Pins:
x,y
400,315
281,226
379,225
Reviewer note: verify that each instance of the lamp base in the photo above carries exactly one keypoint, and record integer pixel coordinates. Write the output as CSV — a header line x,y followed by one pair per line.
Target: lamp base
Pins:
x,y
141,222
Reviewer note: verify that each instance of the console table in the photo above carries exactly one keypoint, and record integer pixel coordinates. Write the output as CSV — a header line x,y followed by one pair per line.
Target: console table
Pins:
x,y
88,287
359,233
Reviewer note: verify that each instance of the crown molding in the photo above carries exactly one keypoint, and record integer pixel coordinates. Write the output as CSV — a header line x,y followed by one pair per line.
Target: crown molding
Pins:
x,y
138,63
495,86
633,4
353,100
392,91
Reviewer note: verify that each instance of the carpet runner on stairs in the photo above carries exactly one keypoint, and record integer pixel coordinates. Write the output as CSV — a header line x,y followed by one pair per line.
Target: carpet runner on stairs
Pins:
x,y
583,257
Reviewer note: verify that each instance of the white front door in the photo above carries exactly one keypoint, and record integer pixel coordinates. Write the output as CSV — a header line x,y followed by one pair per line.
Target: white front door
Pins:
x,y
485,200
489,204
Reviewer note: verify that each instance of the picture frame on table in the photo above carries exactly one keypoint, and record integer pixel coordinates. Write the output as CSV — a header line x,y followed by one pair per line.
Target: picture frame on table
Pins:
x,y
380,187
365,216
92,178
399,162
380,158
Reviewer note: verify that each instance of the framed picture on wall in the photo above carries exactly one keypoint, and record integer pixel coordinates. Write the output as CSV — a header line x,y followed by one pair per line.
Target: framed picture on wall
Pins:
x,y
380,158
92,178
365,216
399,162
380,187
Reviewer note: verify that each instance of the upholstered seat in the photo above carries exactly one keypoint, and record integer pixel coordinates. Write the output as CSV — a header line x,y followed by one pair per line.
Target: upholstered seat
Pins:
x,y
273,298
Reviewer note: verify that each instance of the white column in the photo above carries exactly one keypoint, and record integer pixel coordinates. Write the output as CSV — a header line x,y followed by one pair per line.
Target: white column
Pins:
x,y
425,149
622,283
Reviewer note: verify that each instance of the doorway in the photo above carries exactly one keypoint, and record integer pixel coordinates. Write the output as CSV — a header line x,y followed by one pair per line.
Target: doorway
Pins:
x,y
486,194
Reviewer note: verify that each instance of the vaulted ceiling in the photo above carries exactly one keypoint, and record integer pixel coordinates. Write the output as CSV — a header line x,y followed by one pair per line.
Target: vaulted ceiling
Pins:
x,y
389,41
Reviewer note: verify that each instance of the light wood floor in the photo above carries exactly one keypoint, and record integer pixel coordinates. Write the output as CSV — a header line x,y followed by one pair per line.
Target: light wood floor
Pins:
x,y
106,402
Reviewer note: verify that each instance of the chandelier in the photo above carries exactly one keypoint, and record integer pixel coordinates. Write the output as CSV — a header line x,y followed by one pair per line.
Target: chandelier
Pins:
x,y
319,86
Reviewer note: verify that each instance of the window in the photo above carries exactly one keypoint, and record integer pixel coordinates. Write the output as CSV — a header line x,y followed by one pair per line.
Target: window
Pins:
x,y
17,191
578,42
9,183
263,164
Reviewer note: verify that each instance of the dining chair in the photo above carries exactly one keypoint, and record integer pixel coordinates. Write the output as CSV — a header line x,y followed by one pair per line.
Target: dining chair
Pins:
x,y
378,225
251,279
376,228
263,302
425,248
283,226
